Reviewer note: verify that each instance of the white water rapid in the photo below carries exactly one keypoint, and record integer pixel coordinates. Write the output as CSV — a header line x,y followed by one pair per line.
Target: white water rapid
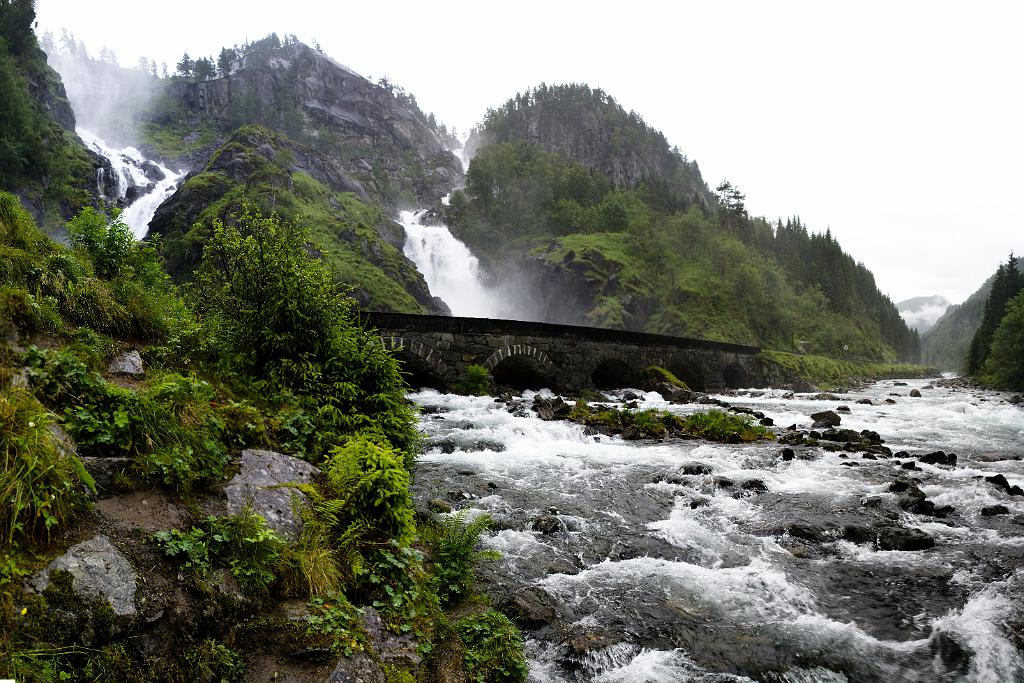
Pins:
x,y
450,269
152,182
663,561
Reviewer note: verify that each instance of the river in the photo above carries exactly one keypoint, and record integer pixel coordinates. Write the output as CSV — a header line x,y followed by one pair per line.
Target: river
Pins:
x,y
692,561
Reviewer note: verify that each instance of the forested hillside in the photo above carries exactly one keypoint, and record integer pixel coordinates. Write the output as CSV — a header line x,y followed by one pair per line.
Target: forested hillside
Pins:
x,y
947,343
41,158
643,250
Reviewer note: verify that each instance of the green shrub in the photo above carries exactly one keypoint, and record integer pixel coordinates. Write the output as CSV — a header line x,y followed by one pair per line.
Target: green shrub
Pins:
x,y
334,619
241,543
716,425
454,555
369,483
41,487
212,660
25,314
101,418
476,382
493,648
280,320
108,242
656,373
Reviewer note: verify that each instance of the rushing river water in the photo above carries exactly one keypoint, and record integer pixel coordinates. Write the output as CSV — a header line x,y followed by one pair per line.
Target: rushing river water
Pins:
x,y
691,561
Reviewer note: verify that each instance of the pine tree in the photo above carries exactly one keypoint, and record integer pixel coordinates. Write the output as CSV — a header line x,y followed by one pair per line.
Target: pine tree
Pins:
x,y
1007,284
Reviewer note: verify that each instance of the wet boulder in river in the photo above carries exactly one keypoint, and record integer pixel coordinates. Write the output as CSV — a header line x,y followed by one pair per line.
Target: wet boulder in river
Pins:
x,y
939,458
865,402
914,393
897,538
825,418
551,408
992,510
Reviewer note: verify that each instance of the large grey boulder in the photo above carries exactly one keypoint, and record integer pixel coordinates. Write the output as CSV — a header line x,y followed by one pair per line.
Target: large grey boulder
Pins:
x,y
263,483
129,363
98,570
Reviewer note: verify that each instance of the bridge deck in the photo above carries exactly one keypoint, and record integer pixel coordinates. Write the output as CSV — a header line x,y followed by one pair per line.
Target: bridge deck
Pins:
x,y
456,325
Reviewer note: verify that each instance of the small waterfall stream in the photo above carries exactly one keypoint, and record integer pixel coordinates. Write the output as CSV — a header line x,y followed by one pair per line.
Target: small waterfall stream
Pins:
x,y
149,182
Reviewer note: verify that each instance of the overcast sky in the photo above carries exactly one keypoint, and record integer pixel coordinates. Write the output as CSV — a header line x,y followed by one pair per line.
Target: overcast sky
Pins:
x,y
896,124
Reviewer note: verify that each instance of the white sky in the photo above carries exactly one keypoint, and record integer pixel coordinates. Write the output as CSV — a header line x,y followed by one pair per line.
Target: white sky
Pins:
x,y
897,124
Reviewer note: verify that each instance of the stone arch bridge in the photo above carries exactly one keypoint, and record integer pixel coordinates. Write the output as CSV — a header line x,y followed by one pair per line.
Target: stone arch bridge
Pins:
x,y
436,350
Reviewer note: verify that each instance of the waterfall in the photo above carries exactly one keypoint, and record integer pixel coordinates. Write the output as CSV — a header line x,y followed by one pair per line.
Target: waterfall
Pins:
x,y
152,181
449,267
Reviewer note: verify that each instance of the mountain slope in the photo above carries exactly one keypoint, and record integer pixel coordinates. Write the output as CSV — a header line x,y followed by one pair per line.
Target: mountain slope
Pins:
x,y
590,127
946,344
42,161
374,132
259,169
577,240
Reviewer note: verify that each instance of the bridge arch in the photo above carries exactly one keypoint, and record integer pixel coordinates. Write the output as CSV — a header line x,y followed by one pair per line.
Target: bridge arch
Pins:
x,y
735,376
522,366
615,371
421,363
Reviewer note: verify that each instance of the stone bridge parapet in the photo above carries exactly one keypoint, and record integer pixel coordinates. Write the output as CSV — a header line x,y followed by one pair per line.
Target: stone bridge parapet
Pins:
x,y
436,350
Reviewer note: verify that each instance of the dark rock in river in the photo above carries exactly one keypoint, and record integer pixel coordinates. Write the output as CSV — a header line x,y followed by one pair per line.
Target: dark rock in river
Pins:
x,y
787,453
992,510
1000,482
896,538
914,393
547,524
551,408
939,458
865,402
845,410
826,418
890,401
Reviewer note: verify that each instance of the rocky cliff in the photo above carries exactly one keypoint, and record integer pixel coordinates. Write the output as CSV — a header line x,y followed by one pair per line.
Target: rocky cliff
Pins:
x,y
374,133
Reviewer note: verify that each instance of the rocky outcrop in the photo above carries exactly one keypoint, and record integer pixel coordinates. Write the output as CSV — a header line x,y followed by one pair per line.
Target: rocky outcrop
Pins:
x,y
375,133
128,363
98,570
264,483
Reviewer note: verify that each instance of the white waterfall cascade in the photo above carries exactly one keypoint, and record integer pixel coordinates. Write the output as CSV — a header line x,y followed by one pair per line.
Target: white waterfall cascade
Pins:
x,y
129,171
449,267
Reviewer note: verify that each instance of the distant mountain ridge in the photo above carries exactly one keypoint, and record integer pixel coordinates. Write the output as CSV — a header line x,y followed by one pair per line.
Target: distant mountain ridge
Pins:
x,y
921,312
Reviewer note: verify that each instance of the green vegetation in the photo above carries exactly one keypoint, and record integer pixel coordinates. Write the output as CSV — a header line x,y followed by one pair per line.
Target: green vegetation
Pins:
x,y
345,232
651,250
476,381
658,374
40,484
493,648
240,543
260,350
1005,364
1007,284
453,554
715,425
652,423
831,373
40,157
947,344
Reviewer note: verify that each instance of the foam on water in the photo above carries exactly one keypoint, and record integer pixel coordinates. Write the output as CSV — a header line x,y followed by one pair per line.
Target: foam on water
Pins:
x,y
127,163
728,576
452,272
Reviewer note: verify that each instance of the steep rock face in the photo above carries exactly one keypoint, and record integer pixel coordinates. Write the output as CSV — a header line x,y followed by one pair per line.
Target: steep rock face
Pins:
x,y
377,135
259,168
590,127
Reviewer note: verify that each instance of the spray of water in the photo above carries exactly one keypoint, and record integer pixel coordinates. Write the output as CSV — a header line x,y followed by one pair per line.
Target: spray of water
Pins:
x,y
452,272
